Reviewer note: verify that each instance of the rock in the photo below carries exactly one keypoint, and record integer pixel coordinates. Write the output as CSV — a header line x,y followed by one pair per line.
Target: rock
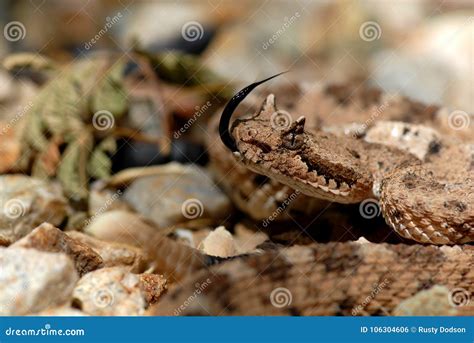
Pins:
x,y
60,311
103,200
27,202
185,194
219,243
114,254
48,238
31,280
431,302
122,227
152,286
110,291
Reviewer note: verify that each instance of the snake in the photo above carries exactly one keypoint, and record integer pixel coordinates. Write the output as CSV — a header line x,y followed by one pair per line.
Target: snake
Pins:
x,y
424,188
419,199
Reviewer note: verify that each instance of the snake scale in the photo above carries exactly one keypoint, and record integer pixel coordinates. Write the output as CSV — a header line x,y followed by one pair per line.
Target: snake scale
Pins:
x,y
425,195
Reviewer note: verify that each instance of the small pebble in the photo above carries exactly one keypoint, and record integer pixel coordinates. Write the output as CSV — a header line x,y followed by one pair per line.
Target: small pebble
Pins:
x,y
219,243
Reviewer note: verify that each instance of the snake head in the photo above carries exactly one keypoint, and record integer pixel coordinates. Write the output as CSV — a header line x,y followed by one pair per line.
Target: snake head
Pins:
x,y
317,164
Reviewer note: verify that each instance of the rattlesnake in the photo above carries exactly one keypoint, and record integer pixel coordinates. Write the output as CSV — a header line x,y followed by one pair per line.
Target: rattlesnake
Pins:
x,y
336,278
419,200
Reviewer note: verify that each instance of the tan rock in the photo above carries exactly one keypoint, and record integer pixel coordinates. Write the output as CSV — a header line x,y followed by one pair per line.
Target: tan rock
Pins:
x,y
114,254
219,243
48,238
121,226
32,280
110,292
25,203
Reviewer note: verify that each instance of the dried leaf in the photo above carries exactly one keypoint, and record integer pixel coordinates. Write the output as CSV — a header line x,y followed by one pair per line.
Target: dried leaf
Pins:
x,y
110,94
72,171
100,164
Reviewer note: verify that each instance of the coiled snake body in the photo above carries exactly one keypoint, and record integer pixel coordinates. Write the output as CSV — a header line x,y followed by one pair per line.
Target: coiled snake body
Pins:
x,y
425,187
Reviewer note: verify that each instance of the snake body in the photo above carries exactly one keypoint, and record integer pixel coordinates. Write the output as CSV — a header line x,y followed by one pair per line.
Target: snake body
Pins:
x,y
353,278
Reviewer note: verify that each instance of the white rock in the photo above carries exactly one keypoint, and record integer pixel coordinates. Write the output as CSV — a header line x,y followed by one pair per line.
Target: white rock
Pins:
x,y
31,281
219,243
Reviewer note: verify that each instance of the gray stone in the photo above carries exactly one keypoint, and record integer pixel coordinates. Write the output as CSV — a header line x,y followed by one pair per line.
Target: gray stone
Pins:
x,y
171,198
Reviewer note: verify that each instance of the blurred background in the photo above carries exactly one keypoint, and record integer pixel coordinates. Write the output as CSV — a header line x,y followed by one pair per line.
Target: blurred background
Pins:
x,y
422,48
